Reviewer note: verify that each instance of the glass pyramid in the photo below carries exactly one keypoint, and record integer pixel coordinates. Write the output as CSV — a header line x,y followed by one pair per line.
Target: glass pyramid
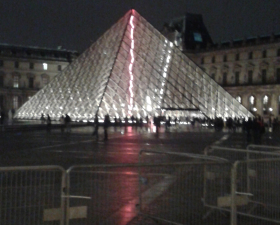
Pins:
x,y
132,70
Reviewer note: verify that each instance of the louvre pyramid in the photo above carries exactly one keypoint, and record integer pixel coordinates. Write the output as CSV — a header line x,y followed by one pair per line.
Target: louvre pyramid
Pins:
x,y
131,70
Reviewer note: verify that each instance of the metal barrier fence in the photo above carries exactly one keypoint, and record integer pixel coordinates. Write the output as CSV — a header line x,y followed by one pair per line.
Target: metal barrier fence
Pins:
x,y
262,204
236,154
176,189
183,196
168,193
264,148
102,194
32,195
246,198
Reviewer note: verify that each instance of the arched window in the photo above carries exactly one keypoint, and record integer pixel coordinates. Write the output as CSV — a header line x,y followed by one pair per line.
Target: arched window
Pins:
x,y
265,104
238,98
265,99
252,100
252,103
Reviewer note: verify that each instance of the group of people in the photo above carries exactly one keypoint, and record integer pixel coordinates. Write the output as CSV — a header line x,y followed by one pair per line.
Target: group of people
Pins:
x,y
254,128
65,122
105,126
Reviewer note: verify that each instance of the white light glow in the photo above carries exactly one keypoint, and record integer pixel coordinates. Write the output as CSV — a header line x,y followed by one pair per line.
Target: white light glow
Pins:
x,y
130,106
45,66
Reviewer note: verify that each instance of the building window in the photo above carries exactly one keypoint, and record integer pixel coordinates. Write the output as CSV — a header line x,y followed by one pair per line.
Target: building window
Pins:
x,y
16,64
264,76
1,81
15,102
278,75
197,37
16,81
1,101
31,66
252,100
224,78
213,76
279,105
250,55
237,57
265,104
252,103
213,59
59,66
45,66
238,98
278,52
1,63
225,58
237,77
45,81
31,82
264,54
250,77
201,61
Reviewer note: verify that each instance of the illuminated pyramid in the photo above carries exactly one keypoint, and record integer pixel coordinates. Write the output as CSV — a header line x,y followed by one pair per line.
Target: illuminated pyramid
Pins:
x,y
131,70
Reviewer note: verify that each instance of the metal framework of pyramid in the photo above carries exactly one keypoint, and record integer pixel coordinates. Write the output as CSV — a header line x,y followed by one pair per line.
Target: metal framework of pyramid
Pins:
x,y
132,70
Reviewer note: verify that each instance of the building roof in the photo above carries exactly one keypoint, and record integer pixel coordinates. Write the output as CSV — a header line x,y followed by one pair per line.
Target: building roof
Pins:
x,y
32,52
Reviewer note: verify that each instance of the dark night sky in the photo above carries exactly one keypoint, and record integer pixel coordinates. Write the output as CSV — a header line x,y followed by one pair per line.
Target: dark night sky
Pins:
x,y
75,24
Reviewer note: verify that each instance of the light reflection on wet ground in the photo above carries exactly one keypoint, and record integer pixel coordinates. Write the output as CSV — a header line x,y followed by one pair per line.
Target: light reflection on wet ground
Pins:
x,y
40,148
119,189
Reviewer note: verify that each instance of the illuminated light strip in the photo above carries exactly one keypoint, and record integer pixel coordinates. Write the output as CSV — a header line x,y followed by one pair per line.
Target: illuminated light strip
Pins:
x,y
130,106
165,69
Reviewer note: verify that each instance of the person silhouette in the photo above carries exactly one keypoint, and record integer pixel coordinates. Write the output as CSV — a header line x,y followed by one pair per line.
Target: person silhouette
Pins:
x,y
96,126
106,125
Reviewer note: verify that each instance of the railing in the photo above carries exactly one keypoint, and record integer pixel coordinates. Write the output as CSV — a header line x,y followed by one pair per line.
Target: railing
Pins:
x,y
237,189
166,187
32,195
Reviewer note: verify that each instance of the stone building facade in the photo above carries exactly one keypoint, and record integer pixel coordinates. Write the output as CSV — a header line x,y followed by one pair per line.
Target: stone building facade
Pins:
x,y
249,68
25,70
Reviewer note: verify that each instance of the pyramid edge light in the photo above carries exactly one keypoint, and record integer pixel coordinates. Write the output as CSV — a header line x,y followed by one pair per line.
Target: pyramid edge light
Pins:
x,y
132,59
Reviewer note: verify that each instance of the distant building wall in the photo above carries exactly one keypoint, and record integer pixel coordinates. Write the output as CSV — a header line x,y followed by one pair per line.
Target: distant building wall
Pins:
x,y
25,70
249,69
